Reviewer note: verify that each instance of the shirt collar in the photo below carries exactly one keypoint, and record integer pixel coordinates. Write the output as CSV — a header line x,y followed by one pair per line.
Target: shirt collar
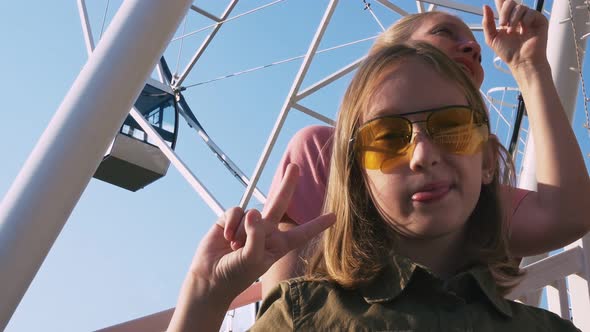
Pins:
x,y
486,283
394,279
390,282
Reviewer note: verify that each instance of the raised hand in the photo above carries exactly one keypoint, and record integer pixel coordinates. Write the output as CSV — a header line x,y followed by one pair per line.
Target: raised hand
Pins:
x,y
522,34
222,262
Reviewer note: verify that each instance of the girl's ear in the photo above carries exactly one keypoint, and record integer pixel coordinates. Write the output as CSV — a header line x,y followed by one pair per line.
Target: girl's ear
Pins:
x,y
490,159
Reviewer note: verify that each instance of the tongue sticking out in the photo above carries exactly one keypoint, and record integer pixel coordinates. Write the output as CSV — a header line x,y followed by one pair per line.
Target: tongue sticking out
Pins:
x,y
430,195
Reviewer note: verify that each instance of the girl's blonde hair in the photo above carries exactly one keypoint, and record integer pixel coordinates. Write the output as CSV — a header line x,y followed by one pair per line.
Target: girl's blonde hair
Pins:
x,y
359,245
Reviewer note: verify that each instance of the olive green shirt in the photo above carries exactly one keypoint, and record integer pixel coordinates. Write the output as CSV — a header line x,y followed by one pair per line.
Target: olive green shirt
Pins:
x,y
405,297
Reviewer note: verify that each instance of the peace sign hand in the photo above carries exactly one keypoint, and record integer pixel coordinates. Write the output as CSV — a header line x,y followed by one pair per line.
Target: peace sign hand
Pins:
x,y
222,262
522,37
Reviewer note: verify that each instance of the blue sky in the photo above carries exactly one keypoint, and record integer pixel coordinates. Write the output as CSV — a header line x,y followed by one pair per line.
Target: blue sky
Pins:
x,y
123,255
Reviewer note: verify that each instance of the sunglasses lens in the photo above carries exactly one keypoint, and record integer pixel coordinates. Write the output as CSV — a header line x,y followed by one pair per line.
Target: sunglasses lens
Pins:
x,y
382,140
458,130
384,143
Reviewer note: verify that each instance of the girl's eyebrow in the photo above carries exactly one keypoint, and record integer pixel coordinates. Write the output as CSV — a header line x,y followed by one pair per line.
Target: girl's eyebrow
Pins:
x,y
382,112
387,112
390,112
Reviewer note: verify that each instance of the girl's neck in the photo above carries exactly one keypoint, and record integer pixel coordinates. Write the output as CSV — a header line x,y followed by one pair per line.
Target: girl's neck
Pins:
x,y
442,255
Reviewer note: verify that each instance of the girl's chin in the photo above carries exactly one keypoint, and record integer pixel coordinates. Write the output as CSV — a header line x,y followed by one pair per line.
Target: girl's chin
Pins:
x,y
431,229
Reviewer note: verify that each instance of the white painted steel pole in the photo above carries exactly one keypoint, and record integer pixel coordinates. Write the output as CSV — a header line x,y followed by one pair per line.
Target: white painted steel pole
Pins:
x,y
561,54
66,156
177,162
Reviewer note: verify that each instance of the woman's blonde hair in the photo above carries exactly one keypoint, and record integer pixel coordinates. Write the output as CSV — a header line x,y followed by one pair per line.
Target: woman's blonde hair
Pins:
x,y
402,30
359,245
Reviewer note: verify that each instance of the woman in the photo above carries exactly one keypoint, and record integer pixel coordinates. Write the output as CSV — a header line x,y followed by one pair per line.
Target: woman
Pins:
x,y
540,221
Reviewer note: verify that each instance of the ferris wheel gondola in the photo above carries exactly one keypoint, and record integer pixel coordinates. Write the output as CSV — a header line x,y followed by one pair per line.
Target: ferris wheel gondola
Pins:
x,y
132,161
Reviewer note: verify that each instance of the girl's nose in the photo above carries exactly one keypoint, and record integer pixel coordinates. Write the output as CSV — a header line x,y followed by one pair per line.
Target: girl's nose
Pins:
x,y
426,154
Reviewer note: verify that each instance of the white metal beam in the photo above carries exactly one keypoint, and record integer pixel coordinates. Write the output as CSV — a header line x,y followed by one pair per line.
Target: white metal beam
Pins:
x,y
205,13
178,82
159,85
549,270
225,158
579,286
456,5
329,79
86,28
177,162
289,101
314,114
557,299
393,7
420,6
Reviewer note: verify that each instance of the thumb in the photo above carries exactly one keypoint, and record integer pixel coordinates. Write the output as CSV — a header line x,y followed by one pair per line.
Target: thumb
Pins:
x,y
489,25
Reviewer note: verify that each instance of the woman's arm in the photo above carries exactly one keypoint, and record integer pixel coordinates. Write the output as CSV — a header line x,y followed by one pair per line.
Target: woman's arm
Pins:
x,y
310,148
556,214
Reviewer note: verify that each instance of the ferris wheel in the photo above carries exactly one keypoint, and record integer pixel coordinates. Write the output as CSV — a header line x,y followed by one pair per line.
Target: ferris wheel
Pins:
x,y
145,67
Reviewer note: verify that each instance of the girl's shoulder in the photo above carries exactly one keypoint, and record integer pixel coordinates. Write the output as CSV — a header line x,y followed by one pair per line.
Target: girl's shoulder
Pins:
x,y
304,289
305,286
538,319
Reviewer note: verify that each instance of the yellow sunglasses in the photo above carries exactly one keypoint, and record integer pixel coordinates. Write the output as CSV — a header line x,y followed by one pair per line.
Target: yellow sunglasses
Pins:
x,y
386,142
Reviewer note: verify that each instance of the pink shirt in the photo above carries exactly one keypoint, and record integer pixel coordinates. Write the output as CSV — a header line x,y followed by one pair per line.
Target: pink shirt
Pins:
x,y
311,148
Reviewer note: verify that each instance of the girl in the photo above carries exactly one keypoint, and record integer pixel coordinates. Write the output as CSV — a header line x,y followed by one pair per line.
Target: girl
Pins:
x,y
419,241
539,221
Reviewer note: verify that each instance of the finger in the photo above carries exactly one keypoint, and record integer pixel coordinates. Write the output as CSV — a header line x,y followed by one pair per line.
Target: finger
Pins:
x,y
253,251
499,4
280,202
235,245
212,244
216,231
517,16
240,232
302,234
241,235
489,25
230,222
528,18
506,12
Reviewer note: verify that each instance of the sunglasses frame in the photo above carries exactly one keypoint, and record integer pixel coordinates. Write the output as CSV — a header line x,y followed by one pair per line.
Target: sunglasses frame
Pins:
x,y
483,114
